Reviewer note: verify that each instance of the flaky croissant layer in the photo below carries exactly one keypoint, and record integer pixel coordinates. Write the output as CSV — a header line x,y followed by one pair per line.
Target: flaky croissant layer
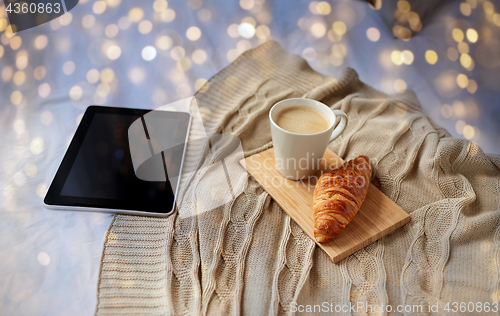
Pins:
x,y
338,196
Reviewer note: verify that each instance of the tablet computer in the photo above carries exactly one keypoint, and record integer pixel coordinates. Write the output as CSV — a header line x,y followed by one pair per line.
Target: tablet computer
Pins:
x,y
99,171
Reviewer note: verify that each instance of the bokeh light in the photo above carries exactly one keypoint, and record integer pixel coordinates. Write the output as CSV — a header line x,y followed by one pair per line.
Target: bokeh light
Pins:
x,y
458,108
164,42
404,6
459,127
7,73
199,56
452,53
400,85
88,21
160,5
3,24
75,93
16,97
339,28
145,27
339,50
107,75
250,20
46,118
99,7
468,132
44,90
323,8
243,46
177,53
431,57
55,24
488,7
168,15
39,72
262,32
193,33
19,78
401,32
472,86
414,21
184,64
407,57
19,126
21,60
204,15
69,67
159,96
246,30
463,48
113,3
195,4
16,42
247,4
124,23
19,179
446,83
135,14
309,54
136,75
472,35
466,61
396,57
30,169
148,53
465,8
41,42
318,29
93,75
114,52
458,35
41,190
63,45
373,34
37,145
111,30
232,30
496,19
43,258
462,81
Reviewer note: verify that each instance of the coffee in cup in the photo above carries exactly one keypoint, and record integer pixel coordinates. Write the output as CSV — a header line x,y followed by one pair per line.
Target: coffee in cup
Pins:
x,y
302,120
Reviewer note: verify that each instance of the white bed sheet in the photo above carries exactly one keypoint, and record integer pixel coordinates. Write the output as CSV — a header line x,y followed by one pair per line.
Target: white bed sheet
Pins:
x,y
49,260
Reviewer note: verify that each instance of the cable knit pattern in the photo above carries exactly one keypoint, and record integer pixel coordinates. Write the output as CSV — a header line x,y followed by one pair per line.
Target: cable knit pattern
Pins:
x,y
248,258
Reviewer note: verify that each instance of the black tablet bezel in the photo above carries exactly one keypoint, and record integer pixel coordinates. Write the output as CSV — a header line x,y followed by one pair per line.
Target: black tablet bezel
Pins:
x,y
53,198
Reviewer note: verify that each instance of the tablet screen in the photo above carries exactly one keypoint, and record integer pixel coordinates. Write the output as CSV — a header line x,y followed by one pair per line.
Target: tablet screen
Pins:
x,y
98,172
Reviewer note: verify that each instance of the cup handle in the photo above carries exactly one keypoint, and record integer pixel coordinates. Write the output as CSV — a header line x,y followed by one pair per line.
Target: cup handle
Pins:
x,y
340,128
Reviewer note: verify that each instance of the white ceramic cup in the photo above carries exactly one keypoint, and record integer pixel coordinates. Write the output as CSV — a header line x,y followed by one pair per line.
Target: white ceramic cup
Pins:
x,y
297,156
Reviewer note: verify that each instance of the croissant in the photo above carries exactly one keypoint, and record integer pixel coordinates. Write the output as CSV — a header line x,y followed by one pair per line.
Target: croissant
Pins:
x,y
338,196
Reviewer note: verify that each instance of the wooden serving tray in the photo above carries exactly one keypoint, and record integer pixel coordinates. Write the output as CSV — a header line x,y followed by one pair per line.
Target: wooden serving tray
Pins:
x,y
377,217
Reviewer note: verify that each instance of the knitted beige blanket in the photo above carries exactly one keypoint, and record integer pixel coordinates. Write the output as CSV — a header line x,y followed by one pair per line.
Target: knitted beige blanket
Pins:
x,y
247,257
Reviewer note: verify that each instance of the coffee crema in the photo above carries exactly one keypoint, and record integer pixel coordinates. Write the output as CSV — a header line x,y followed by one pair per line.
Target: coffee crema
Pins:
x,y
302,120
